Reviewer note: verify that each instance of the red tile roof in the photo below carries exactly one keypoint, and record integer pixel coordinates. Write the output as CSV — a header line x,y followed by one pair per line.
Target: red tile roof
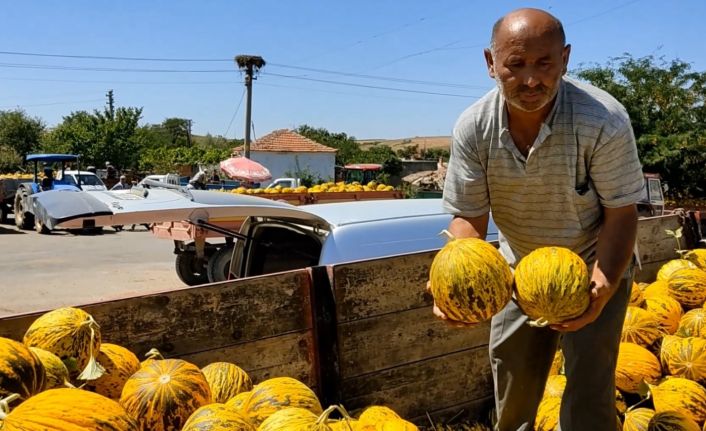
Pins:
x,y
284,140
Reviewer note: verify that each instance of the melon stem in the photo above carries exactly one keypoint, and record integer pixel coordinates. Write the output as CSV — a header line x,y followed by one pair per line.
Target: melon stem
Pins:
x,y
448,235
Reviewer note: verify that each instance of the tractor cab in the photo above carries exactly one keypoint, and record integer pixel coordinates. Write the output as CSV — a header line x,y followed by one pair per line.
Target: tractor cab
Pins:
x,y
363,173
51,175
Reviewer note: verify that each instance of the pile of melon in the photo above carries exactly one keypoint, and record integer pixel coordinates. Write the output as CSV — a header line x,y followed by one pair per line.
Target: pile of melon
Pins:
x,y
661,369
327,187
63,377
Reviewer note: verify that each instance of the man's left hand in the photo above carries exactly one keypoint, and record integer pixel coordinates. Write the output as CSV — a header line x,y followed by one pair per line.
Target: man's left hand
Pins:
x,y
600,295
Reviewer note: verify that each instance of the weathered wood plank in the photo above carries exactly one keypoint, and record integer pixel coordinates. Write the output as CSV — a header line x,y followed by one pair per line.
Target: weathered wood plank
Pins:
x,y
381,286
199,318
285,355
430,385
390,340
654,244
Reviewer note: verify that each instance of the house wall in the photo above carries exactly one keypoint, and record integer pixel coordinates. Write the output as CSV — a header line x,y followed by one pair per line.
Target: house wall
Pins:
x,y
279,163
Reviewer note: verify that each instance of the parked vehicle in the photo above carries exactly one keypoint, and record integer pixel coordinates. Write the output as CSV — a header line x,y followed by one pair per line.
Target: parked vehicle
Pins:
x,y
26,214
88,180
291,183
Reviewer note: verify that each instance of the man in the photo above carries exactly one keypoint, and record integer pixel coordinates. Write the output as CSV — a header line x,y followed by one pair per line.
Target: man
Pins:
x,y
110,172
198,181
556,162
122,184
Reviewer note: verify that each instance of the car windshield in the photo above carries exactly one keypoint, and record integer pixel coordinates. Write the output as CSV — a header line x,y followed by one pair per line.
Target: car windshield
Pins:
x,y
86,180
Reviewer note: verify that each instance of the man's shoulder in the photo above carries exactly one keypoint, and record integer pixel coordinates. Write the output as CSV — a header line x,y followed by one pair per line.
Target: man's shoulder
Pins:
x,y
482,112
594,102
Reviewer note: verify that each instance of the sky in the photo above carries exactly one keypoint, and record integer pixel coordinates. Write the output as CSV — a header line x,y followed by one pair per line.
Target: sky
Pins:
x,y
373,69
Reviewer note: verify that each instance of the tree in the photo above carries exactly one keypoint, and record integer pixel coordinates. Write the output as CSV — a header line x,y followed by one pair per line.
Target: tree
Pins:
x,y
665,101
348,148
20,132
178,130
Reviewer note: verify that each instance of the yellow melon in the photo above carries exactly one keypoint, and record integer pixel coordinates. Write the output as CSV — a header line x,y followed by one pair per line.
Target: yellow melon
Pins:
x,y
635,364
681,395
666,310
640,327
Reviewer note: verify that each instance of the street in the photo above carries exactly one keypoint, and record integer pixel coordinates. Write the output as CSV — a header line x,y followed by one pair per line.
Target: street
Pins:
x,y
41,272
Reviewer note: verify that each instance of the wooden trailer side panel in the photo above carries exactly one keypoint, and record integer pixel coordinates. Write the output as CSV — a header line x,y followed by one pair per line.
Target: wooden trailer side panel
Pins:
x,y
261,324
393,351
655,246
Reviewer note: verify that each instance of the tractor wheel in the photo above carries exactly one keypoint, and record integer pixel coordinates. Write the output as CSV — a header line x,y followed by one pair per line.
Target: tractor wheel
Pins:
x,y
23,219
219,264
41,227
190,269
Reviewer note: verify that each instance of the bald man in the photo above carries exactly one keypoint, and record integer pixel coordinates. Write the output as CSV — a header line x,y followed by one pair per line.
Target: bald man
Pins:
x,y
556,162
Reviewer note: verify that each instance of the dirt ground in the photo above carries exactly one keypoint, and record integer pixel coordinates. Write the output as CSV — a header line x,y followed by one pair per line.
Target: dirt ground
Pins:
x,y
40,272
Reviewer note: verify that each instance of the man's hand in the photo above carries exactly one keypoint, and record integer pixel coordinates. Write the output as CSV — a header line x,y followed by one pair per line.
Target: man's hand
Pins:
x,y
601,292
440,314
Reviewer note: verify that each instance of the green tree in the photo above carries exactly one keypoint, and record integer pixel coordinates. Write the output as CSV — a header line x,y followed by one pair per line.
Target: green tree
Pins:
x,y
666,104
408,152
20,132
348,148
178,130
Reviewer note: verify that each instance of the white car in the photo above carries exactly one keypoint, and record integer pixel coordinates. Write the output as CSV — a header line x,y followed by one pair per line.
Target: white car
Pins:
x,y
172,179
89,181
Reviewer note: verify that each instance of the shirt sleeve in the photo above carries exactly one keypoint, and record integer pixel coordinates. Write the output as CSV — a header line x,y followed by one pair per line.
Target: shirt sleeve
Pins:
x,y
615,168
465,187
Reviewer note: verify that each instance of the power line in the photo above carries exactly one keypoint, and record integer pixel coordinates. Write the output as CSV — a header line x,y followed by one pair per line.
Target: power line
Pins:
x,y
84,81
100,57
51,104
350,84
234,114
109,69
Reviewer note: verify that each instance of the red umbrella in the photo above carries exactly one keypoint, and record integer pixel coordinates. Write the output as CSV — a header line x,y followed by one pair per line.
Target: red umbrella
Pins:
x,y
245,169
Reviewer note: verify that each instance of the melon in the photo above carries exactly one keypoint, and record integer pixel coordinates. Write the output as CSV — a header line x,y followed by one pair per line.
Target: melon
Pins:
x,y
162,394
470,280
552,285
688,286
68,409
637,419
73,336
226,380
636,296
672,421
684,357
21,371
119,364
681,395
55,371
666,310
217,417
658,288
640,327
697,257
548,414
693,323
276,394
635,364
555,386
666,270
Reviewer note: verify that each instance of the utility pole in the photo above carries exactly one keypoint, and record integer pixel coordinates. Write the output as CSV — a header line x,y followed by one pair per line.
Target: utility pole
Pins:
x,y
111,104
250,64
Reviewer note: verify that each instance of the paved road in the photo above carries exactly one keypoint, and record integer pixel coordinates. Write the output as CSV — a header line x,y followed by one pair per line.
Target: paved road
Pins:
x,y
40,272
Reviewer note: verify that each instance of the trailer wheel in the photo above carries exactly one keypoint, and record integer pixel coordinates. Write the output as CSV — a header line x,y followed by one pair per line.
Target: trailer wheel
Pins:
x,y
23,219
219,264
190,270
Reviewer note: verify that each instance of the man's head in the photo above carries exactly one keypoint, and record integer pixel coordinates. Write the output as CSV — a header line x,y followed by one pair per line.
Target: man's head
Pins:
x,y
528,56
123,179
107,164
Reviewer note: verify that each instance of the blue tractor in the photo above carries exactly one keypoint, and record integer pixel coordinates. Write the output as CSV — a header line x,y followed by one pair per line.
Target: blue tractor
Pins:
x,y
24,205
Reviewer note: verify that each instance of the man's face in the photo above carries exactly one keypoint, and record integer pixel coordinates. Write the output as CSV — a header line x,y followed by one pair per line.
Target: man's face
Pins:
x,y
528,67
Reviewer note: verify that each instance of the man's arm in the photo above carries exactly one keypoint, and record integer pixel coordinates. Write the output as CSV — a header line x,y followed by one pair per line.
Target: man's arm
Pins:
x,y
616,242
469,227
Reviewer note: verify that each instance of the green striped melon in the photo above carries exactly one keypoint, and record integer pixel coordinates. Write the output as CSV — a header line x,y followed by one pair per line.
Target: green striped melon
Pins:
x,y
120,364
276,394
552,285
693,323
470,280
635,364
697,257
21,371
684,357
163,393
56,372
637,419
672,421
640,327
666,310
681,395
688,286
217,417
226,380
73,336
666,270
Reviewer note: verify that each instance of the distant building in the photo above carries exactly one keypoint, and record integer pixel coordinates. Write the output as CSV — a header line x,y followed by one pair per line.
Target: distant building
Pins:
x,y
286,152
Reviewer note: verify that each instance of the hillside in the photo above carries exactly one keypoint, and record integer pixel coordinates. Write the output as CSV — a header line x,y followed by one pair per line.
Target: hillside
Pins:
x,y
422,141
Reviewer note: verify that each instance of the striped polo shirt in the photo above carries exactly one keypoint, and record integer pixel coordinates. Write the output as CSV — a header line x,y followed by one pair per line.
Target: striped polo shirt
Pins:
x,y
584,158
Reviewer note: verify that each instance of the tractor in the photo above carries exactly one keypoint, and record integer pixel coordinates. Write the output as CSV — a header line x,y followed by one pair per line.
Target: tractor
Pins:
x,y
24,202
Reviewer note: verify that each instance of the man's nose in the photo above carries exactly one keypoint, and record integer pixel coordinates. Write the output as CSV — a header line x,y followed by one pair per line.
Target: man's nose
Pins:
x,y
530,77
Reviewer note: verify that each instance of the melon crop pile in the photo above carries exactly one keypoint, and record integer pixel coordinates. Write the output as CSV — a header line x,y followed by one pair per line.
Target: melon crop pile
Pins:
x,y
661,367
120,393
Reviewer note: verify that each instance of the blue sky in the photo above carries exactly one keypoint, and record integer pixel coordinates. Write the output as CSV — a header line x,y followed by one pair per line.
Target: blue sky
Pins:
x,y
406,45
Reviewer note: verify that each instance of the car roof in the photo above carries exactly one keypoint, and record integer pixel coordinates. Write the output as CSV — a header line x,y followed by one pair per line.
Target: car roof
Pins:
x,y
345,213
76,172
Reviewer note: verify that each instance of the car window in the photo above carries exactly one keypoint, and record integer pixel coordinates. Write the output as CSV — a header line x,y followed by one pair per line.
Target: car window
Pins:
x,y
90,180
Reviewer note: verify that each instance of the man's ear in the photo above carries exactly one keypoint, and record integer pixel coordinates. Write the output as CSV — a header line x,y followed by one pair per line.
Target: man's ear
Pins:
x,y
489,62
565,57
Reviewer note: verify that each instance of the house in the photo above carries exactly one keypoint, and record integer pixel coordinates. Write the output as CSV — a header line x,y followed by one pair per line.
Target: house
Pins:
x,y
287,153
